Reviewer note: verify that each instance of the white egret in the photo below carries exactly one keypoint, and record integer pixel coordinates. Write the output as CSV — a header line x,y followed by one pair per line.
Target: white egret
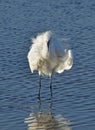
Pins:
x,y
47,55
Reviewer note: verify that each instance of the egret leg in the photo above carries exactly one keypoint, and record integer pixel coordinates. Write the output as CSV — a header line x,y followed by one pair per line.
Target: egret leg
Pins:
x,y
39,87
51,85
51,104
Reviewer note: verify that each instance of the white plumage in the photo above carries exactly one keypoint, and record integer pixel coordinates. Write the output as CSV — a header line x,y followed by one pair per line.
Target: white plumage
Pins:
x,y
47,55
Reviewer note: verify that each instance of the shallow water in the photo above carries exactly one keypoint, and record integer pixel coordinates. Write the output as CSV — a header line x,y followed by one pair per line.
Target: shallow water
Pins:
x,y
73,103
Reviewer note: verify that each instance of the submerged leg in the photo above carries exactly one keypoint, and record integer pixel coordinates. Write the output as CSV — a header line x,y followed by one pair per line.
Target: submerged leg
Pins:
x,y
39,87
51,85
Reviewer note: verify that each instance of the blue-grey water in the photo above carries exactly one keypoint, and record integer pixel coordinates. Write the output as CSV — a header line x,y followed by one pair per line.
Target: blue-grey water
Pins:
x,y
72,106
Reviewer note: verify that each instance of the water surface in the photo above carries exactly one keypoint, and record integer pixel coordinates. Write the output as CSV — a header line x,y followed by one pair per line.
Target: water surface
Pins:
x,y
73,102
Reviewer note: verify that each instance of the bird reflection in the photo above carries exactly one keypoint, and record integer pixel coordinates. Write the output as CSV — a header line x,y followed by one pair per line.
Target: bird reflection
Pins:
x,y
45,120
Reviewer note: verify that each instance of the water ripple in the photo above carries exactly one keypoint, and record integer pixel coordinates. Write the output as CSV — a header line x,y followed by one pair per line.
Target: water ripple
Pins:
x,y
73,91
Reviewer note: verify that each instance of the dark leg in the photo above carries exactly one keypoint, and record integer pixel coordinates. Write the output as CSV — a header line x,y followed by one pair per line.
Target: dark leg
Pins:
x,y
39,87
51,85
51,104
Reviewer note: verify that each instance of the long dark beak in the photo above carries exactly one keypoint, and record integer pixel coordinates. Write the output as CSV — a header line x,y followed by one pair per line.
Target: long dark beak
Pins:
x,y
48,43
